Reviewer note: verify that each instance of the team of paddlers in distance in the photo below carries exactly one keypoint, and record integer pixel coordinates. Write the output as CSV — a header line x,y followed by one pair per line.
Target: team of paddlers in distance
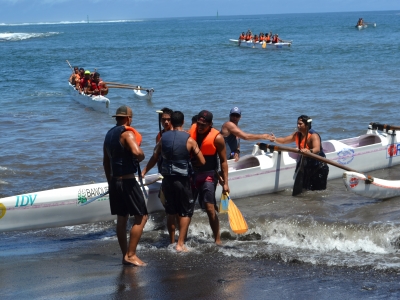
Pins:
x,y
267,37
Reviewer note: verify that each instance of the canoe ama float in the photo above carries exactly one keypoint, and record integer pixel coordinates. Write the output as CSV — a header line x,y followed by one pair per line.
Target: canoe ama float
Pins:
x,y
143,94
378,188
255,174
250,44
98,103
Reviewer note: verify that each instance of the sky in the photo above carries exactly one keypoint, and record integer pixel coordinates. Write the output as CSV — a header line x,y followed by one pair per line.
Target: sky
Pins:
x,y
27,11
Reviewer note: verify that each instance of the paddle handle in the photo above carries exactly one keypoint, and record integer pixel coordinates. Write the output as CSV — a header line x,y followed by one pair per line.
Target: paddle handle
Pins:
x,y
273,148
383,127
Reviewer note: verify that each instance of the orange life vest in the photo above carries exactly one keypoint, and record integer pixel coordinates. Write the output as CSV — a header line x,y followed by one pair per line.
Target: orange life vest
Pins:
x,y
299,144
138,136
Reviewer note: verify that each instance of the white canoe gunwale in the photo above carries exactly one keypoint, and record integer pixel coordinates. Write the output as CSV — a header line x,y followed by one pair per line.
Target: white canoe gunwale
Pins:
x,y
377,189
268,46
98,103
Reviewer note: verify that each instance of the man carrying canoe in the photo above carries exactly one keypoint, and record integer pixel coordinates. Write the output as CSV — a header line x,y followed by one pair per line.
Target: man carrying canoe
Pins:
x,y
121,157
212,145
308,140
232,134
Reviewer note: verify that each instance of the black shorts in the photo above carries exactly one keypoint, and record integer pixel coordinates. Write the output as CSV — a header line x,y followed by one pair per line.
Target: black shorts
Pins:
x,y
126,197
178,196
205,186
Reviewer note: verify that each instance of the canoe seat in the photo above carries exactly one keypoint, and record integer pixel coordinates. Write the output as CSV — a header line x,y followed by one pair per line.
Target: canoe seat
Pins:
x,y
245,162
368,139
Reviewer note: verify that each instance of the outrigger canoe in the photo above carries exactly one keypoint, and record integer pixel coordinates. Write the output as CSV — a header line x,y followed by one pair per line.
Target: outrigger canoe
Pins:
x,y
98,103
143,94
65,206
262,45
255,174
376,188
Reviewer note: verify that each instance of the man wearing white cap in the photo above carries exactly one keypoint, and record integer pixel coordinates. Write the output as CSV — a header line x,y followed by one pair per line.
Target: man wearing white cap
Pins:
x,y
232,134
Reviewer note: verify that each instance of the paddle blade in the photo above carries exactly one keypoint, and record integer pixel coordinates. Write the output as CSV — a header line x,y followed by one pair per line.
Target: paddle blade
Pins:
x,y
223,204
236,220
264,45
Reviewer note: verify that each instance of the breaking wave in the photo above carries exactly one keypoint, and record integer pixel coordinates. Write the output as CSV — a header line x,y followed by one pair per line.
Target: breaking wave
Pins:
x,y
19,36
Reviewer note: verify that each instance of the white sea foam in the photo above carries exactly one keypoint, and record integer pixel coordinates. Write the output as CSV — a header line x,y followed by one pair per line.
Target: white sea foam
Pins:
x,y
70,22
19,36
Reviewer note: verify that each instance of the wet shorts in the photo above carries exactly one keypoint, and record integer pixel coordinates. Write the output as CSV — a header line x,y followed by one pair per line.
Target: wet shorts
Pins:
x,y
126,197
205,186
178,196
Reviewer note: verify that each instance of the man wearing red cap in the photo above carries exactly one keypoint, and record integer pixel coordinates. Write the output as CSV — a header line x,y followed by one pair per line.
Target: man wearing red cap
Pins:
x,y
121,157
212,145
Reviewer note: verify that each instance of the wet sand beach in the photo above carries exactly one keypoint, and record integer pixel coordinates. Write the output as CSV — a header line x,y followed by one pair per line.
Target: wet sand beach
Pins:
x,y
92,270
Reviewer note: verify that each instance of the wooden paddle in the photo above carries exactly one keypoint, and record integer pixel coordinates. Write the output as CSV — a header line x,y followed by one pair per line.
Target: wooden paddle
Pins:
x,y
273,148
236,220
299,176
72,69
106,193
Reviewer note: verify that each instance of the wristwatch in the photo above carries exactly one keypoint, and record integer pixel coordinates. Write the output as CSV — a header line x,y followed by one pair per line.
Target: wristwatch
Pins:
x,y
237,151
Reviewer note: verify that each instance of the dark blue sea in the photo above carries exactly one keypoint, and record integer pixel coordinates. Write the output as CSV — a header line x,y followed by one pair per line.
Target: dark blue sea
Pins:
x,y
321,245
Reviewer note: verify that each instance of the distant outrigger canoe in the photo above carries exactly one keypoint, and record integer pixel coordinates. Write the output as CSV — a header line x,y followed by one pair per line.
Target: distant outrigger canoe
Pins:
x,y
262,45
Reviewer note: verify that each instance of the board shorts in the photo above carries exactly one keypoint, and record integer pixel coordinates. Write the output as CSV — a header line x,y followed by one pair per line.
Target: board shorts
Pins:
x,y
126,197
205,185
178,195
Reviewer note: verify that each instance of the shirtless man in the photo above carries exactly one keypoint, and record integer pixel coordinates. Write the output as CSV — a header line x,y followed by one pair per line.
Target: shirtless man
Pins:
x,y
232,134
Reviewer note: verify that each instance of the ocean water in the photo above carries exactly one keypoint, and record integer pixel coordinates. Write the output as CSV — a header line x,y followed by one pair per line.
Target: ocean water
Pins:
x,y
342,77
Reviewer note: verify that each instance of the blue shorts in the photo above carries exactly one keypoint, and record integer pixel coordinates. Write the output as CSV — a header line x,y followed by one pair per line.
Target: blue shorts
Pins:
x,y
205,186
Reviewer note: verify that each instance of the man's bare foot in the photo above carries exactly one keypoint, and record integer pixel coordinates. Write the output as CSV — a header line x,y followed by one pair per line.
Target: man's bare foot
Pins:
x,y
182,248
133,261
218,243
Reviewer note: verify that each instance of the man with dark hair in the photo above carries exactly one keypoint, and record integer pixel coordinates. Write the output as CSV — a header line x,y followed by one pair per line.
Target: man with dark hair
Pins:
x,y
165,121
212,145
121,157
97,86
176,148
307,140
232,134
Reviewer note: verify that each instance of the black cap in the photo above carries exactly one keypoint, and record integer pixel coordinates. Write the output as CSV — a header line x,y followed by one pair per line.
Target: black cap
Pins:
x,y
205,116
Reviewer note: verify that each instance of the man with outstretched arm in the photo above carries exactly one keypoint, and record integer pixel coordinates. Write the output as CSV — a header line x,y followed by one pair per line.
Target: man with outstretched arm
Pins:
x,y
232,134
121,157
177,148
212,145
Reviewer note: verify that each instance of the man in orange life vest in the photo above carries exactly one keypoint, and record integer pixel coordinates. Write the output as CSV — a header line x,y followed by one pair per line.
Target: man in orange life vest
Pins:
x,y
121,157
315,172
212,145
97,86
84,84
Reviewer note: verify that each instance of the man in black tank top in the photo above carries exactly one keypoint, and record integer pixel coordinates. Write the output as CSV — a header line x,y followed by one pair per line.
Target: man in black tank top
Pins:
x,y
176,148
121,154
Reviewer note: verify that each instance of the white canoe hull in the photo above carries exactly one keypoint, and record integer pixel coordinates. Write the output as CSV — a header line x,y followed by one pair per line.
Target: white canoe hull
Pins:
x,y
359,27
266,46
141,94
62,207
263,173
378,189
98,103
